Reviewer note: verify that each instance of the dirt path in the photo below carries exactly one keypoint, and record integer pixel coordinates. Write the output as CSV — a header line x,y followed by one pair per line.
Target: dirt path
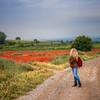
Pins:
x,y
59,86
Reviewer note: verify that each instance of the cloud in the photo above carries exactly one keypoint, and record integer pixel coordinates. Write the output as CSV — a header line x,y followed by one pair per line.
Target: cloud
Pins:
x,y
49,4
49,18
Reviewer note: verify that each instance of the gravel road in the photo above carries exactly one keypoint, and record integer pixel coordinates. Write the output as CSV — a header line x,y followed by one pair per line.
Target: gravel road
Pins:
x,y
59,86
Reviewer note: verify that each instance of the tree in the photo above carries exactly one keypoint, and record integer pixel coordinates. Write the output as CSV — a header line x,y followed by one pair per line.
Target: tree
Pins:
x,y
18,38
83,43
62,41
36,41
2,37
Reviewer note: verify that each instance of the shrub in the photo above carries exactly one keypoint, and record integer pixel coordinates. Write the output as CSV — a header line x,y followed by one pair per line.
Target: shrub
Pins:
x,y
2,37
82,43
10,43
21,45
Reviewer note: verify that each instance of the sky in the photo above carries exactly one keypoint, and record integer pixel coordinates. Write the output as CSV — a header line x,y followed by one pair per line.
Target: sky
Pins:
x,y
39,19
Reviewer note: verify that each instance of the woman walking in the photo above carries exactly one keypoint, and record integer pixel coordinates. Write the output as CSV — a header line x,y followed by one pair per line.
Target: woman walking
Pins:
x,y
73,64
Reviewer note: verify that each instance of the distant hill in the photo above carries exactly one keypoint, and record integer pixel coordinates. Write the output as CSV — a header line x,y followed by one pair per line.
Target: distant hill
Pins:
x,y
64,39
95,39
71,39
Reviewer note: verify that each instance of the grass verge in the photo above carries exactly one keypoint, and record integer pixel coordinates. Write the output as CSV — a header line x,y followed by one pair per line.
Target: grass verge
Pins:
x,y
18,78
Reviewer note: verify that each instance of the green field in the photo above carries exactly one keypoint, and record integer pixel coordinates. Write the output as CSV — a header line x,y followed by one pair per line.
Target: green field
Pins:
x,y
41,45
30,45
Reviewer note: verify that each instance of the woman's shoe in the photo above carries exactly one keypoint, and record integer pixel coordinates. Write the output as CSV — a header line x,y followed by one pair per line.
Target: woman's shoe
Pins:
x,y
80,85
75,84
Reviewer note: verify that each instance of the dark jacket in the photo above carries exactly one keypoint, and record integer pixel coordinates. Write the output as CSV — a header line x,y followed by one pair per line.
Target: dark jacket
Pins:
x,y
73,62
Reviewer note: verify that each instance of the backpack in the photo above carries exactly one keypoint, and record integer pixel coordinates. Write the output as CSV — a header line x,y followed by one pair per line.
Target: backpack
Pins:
x,y
80,63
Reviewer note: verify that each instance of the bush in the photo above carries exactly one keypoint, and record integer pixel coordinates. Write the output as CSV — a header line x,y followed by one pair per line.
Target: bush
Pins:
x,y
82,43
10,43
2,37
21,45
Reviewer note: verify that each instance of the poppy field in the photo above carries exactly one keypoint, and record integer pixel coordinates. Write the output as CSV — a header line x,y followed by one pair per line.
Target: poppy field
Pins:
x,y
31,56
40,56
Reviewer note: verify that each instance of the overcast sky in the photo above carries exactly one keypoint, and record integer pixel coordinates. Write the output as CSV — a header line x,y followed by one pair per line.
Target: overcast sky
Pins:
x,y
30,19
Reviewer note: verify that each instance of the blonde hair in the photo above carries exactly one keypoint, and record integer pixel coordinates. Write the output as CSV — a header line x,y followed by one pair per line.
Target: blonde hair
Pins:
x,y
74,53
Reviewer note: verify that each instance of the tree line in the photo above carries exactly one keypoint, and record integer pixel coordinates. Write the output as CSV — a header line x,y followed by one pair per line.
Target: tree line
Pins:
x,y
82,43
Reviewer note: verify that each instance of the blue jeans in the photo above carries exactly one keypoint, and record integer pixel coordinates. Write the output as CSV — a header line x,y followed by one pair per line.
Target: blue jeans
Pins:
x,y
75,73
